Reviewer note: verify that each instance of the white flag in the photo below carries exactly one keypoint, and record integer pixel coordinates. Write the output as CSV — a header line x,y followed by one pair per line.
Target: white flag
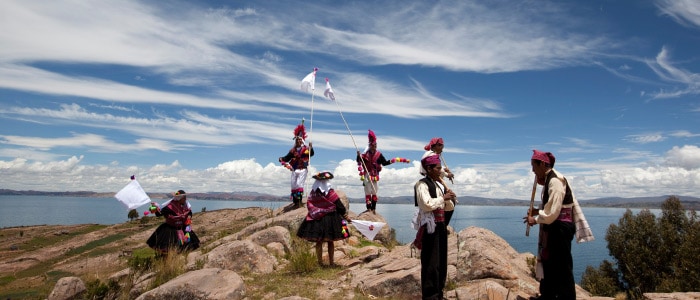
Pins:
x,y
309,81
132,195
329,91
368,228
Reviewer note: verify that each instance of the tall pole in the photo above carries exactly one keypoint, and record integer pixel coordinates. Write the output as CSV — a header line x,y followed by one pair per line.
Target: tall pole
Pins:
x,y
532,206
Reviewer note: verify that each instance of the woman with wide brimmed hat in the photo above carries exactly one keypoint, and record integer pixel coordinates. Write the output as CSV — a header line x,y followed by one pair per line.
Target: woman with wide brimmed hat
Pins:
x,y
176,232
327,218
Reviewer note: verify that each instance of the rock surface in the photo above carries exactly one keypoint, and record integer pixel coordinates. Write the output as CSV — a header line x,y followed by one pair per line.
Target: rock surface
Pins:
x,y
68,288
242,247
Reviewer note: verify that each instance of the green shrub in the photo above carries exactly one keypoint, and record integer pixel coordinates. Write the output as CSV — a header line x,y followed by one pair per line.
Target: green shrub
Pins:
x,y
601,281
141,260
651,254
301,260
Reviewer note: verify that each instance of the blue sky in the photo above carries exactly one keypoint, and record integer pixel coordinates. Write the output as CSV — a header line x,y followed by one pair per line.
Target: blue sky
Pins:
x,y
204,95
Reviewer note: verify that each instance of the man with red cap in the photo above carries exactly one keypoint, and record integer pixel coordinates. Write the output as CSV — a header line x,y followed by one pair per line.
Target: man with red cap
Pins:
x,y
560,218
370,163
435,146
431,196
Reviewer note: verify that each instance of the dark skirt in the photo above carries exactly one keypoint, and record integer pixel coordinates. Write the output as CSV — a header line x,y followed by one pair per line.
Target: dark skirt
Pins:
x,y
166,237
330,227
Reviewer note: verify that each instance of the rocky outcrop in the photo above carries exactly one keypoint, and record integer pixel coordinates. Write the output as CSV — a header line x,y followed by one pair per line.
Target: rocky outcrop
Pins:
x,y
210,283
68,288
241,256
672,296
481,265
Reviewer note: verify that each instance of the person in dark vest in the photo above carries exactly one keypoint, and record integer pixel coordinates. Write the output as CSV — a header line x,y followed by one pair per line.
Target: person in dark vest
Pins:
x,y
435,146
297,161
556,218
430,196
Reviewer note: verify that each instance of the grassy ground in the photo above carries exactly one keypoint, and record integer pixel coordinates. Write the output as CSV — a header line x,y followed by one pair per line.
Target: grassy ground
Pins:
x,y
40,255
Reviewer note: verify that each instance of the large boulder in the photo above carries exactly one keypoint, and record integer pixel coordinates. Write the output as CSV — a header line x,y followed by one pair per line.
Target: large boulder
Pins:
x,y
242,256
274,234
393,273
68,288
483,289
478,253
478,261
210,284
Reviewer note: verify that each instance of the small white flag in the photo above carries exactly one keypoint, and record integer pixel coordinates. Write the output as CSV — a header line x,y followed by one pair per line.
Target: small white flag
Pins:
x,y
368,228
309,81
132,195
329,91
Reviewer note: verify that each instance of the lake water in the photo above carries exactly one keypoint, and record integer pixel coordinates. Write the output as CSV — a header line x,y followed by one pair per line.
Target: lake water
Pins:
x,y
505,221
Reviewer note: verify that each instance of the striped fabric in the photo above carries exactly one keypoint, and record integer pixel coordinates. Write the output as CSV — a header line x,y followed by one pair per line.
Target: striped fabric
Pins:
x,y
583,231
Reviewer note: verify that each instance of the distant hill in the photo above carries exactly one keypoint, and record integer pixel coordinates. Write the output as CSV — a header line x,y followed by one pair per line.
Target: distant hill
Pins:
x,y
636,202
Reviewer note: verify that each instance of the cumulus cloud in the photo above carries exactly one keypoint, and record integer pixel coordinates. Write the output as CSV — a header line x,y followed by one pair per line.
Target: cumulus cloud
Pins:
x,y
686,157
514,181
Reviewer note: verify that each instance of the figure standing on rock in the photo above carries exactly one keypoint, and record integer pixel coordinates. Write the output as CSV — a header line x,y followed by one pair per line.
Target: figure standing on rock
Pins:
x,y
297,161
560,218
431,198
370,163
327,218
435,146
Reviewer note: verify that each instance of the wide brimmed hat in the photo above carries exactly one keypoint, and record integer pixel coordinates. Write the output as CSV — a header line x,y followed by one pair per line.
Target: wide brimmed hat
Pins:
x,y
179,194
323,175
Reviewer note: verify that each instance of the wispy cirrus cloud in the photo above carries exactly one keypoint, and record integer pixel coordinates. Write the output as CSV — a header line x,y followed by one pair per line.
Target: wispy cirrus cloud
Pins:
x,y
646,138
684,12
689,83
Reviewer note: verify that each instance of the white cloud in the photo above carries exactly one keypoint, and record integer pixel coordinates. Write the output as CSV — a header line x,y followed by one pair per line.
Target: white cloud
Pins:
x,y
686,157
646,138
667,71
684,134
444,34
684,12
681,177
95,142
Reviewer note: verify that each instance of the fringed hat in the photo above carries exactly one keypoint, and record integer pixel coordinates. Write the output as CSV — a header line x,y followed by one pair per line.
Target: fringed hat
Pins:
x,y
371,137
179,195
323,181
300,131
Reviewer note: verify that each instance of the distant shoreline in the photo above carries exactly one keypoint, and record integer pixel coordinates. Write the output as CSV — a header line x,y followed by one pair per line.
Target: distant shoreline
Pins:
x,y
617,202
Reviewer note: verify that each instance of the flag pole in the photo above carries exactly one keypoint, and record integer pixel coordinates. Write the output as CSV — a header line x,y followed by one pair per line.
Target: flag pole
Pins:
x,y
532,207
310,80
313,93
362,161
446,167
